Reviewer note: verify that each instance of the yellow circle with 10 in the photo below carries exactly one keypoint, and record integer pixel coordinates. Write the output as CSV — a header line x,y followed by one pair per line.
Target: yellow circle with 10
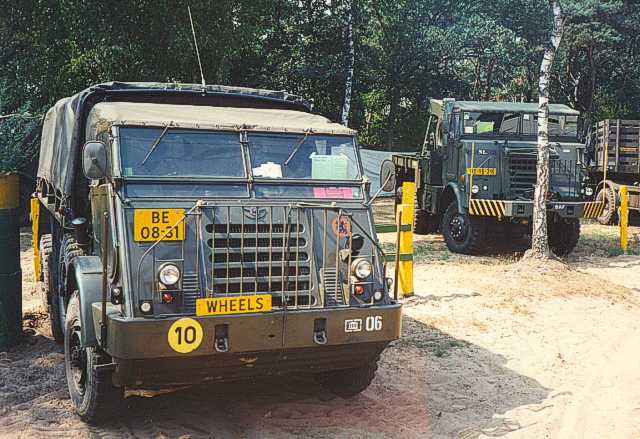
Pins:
x,y
185,335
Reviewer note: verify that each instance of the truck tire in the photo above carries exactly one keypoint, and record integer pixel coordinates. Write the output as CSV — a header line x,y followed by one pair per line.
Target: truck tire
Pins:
x,y
425,223
91,389
45,249
563,236
346,383
69,249
609,214
462,233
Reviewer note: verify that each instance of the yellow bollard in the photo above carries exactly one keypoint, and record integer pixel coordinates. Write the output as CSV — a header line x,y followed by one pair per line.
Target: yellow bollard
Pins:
x,y
35,220
405,272
624,217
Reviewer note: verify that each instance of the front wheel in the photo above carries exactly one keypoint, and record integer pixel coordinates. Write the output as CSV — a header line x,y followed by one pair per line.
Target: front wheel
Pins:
x,y
346,383
462,233
91,390
563,235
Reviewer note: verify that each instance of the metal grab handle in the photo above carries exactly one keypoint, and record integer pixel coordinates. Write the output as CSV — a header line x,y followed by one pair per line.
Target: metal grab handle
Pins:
x,y
221,344
320,337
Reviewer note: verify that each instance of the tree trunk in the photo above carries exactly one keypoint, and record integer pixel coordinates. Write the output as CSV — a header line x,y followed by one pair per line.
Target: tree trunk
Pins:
x,y
346,107
540,241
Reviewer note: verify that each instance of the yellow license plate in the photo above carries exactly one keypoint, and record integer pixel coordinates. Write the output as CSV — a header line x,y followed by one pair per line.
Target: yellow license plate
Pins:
x,y
149,225
233,305
481,171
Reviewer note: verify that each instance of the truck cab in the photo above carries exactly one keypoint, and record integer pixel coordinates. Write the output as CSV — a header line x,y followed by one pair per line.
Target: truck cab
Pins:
x,y
197,234
476,174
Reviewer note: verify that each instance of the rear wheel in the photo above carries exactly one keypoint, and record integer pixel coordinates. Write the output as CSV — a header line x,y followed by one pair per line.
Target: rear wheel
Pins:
x,y
563,235
462,233
91,390
346,383
609,215
48,290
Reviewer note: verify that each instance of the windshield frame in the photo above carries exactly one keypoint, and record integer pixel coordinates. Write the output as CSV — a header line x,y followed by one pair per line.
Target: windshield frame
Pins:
x,y
520,134
249,180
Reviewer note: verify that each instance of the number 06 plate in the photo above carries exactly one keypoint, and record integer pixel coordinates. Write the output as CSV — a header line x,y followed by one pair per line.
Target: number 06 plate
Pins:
x,y
149,225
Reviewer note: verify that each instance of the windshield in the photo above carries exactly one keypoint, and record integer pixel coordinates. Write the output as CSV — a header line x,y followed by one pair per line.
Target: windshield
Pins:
x,y
564,126
491,123
496,124
180,153
303,156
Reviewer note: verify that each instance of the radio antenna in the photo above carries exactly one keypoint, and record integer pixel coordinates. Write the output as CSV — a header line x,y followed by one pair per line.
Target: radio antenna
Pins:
x,y
195,43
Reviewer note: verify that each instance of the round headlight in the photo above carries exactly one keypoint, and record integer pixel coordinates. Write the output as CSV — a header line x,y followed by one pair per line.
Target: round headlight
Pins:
x,y
169,274
361,268
378,295
588,191
475,189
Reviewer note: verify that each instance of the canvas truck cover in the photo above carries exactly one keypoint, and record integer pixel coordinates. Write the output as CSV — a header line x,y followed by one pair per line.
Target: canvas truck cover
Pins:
x,y
105,114
63,132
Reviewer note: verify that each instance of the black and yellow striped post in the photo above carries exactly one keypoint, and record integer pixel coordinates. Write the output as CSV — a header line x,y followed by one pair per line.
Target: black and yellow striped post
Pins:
x,y
10,272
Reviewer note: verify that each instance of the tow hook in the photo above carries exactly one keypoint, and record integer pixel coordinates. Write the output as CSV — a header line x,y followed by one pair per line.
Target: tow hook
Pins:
x,y
320,331
221,340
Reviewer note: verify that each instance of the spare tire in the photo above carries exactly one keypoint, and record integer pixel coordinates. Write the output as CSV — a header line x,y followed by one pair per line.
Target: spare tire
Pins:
x,y
388,176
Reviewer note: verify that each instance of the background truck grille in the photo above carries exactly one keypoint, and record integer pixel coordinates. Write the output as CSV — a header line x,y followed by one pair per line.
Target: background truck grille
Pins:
x,y
522,177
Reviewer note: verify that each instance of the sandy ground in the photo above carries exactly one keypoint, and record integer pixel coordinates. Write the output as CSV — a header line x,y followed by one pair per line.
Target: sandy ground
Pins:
x,y
490,348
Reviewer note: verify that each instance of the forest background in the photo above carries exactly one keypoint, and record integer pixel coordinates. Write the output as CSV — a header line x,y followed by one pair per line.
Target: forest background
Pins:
x,y
380,60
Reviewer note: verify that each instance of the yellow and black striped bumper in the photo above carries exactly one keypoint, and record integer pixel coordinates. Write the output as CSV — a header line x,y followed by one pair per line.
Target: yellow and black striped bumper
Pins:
x,y
524,209
487,207
593,209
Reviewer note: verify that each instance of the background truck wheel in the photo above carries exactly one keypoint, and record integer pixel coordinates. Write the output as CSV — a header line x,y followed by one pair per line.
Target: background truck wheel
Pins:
x,y
92,392
425,223
462,233
609,214
346,383
563,236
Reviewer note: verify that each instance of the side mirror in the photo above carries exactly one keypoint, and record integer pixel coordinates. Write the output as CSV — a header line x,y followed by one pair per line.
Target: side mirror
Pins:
x,y
94,160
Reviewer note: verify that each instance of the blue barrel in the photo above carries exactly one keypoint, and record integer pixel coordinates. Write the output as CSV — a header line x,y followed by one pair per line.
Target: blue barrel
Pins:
x,y
10,272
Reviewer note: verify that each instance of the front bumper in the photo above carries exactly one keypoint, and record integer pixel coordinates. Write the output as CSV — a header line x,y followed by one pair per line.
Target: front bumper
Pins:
x,y
274,343
524,209
144,338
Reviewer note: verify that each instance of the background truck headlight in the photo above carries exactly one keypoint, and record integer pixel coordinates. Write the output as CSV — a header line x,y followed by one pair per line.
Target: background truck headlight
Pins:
x,y
361,268
588,191
169,274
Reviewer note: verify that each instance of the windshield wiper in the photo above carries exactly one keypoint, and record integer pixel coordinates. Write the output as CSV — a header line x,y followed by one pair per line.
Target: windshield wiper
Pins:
x,y
154,145
295,149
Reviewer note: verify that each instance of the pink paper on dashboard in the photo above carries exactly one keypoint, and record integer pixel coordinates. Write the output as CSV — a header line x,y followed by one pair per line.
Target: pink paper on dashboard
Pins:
x,y
333,192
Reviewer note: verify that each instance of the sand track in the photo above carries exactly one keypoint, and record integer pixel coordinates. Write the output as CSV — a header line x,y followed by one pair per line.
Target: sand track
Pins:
x,y
488,350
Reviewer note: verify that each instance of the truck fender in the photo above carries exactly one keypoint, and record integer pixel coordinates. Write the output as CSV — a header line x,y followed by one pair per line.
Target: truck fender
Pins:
x,y
459,197
88,277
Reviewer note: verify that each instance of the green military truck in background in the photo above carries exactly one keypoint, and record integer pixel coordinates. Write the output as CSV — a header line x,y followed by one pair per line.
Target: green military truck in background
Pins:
x,y
476,171
615,142
191,234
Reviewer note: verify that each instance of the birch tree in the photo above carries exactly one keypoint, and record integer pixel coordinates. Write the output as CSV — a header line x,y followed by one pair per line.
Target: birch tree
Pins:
x,y
346,107
540,240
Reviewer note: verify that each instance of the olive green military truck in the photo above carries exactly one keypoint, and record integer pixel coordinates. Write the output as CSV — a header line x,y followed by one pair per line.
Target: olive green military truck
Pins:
x,y
476,171
193,234
613,156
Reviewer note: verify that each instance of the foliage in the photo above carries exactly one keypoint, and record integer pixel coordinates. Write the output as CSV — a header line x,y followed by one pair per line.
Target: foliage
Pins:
x,y
406,51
